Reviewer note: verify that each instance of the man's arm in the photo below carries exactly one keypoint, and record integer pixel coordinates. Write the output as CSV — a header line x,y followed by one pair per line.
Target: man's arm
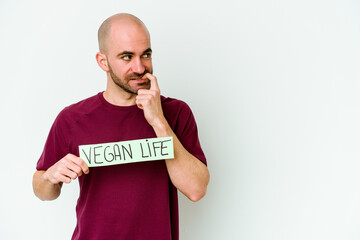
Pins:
x,y
47,184
187,173
44,189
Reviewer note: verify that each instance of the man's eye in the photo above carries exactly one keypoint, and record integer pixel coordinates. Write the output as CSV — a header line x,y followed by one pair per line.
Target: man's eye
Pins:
x,y
147,55
126,57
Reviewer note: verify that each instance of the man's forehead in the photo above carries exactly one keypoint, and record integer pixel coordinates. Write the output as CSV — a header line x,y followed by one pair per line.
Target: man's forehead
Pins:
x,y
129,39
136,45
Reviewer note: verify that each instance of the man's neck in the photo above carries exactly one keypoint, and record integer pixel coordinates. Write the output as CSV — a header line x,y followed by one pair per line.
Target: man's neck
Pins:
x,y
119,97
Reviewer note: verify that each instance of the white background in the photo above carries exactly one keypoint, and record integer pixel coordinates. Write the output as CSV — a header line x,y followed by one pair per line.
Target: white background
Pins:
x,y
274,86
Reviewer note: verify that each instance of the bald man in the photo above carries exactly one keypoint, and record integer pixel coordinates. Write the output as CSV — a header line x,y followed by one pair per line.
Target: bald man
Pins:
x,y
127,201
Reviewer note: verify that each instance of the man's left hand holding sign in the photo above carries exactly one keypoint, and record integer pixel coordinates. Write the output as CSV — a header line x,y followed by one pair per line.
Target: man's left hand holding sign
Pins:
x,y
47,184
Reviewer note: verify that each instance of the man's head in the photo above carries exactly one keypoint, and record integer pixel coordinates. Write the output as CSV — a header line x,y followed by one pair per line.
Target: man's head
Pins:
x,y
125,52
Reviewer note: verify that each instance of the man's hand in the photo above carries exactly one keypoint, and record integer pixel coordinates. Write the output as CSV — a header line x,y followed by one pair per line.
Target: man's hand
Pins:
x,y
149,101
67,168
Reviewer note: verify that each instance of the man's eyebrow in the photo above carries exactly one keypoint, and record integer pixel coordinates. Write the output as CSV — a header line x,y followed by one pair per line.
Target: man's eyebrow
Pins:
x,y
149,50
125,53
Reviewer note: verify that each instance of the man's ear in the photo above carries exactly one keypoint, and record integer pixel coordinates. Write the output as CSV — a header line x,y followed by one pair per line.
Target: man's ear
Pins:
x,y
102,61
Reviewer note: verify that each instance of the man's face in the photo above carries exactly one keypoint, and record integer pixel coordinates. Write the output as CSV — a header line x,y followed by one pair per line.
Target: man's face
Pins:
x,y
129,58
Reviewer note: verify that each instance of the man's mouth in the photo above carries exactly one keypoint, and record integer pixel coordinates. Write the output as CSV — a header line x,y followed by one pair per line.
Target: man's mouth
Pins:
x,y
140,81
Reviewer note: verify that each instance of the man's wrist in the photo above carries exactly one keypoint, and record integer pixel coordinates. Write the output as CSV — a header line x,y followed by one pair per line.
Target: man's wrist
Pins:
x,y
162,128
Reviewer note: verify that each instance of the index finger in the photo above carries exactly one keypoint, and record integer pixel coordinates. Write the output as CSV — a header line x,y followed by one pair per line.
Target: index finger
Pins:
x,y
81,163
153,81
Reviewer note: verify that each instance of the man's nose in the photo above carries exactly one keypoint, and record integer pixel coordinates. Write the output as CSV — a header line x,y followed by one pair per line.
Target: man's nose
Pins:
x,y
138,66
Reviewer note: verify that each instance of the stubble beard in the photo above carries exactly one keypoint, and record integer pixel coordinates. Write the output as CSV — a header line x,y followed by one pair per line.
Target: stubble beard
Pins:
x,y
123,84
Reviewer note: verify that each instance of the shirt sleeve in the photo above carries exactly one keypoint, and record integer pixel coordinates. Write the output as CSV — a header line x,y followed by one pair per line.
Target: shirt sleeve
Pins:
x,y
187,132
56,146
